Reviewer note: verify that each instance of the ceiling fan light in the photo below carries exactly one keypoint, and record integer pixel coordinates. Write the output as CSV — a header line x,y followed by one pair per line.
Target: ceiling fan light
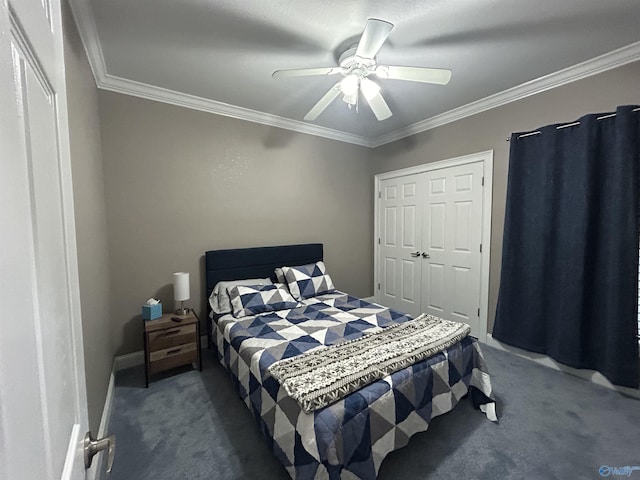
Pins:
x,y
349,85
351,99
369,89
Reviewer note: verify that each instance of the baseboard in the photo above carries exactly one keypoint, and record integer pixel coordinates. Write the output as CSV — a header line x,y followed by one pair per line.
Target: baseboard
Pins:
x,y
98,470
370,299
544,360
122,362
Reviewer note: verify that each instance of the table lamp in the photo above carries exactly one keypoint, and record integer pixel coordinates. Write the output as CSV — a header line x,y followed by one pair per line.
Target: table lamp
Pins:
x,y
181,291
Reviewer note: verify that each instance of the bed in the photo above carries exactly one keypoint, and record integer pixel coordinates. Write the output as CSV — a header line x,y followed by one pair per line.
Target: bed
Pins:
x,y
351,437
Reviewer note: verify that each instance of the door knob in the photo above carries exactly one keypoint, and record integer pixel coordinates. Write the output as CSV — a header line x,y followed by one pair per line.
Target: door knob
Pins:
x,y
425,255
93,446
415,254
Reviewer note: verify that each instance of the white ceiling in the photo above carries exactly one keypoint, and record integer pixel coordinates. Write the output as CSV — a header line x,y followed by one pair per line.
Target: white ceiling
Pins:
x,y
218,55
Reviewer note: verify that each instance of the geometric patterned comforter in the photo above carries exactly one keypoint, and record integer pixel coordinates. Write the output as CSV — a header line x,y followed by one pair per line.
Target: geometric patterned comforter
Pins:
x,y
350,438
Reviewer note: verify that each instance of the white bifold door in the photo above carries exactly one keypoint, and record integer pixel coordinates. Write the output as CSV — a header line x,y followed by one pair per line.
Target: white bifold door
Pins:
x,y
430,235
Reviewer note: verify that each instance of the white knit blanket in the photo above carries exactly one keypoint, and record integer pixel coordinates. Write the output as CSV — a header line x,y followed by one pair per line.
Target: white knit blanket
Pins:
x,y
323,376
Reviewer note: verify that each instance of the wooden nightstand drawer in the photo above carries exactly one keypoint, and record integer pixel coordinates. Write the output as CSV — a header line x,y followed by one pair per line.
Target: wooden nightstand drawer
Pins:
x,y
173,357
169,343
171,337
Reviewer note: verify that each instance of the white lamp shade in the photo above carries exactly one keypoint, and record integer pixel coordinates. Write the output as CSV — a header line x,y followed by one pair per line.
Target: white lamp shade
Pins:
x,y
181,286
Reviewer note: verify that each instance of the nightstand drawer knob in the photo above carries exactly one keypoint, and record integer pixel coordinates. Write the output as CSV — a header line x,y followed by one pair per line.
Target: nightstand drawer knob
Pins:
x,y
171,332
174,351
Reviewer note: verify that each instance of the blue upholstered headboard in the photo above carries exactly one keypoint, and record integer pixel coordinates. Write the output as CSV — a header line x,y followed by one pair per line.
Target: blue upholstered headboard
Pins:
x,y
259,262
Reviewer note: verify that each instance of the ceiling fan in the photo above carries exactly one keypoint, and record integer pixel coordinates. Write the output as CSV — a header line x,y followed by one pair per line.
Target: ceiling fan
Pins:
x,y
356,64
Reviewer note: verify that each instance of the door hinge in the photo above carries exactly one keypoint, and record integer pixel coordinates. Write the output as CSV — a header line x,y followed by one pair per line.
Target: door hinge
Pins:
x,y
483,181
378,286
378,240
480,248
380,194
478,312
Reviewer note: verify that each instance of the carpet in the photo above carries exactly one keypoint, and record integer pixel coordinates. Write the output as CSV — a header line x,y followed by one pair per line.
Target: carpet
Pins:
x,y
193,425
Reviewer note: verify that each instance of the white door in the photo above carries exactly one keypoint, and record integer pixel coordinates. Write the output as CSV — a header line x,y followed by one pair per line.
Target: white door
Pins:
x,y
399,244
430,231
43,412
451,238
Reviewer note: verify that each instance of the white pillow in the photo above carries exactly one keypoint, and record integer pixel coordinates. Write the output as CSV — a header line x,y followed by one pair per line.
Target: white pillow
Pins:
x,y
219,299
280,276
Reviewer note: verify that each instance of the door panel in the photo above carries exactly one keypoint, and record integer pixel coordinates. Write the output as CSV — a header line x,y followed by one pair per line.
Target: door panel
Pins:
x,y
409,292
37,111
461,283
452,234
42,390
409,226
401,278
390,228
389,276
436,227
433,295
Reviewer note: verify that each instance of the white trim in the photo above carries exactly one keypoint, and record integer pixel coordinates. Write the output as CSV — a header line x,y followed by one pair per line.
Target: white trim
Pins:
x,y
544,360
370,299
72,453
122,362
85,21
608,61
98,470
88,30
150,92
108,404
485,259
485,255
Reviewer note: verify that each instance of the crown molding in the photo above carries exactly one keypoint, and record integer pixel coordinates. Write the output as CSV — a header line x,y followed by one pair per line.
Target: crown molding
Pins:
x,y
608,61
88,30
151,92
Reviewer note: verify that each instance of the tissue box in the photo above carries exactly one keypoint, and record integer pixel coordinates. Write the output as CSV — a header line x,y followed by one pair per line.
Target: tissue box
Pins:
x,y
151,312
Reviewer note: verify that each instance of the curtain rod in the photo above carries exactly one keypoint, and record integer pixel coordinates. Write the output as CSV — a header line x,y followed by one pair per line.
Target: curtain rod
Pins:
x,y
572,124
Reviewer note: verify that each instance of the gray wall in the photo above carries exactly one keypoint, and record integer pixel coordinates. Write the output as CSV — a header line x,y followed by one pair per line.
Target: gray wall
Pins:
x,y
91,220
179,182
488,131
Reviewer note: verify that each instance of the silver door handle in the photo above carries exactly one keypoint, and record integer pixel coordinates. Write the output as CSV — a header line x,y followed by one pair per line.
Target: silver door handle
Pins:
x,y
415,254
425,255
93,446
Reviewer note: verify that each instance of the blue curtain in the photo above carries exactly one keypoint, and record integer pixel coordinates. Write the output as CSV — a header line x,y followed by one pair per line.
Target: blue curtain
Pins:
x,y
569,279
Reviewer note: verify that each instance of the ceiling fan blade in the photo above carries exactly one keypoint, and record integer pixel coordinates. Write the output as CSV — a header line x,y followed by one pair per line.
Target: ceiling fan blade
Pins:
x,y
378,106
373,37
304,72
323,103
438,76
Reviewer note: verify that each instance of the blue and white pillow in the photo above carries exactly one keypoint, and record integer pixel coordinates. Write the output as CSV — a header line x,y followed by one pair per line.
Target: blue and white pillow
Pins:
x,y
306,281
219,299
255,299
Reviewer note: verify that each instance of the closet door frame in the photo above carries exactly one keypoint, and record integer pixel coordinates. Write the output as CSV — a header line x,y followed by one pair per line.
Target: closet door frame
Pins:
x,y
485,257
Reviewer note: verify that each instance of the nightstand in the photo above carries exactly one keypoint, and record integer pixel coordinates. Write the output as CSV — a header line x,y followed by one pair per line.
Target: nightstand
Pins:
x,y
169,344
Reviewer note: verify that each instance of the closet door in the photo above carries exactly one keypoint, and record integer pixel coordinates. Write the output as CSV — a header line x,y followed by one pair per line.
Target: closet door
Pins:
x,y
451,236
400,260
